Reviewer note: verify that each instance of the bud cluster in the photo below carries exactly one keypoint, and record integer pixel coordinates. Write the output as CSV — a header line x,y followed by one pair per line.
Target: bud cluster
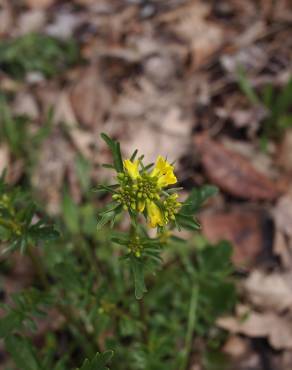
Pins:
x,y
134,193
135,246
171,206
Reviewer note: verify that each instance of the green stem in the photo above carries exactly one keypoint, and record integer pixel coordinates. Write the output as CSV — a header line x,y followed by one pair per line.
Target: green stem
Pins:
x,y
191,326
143,318
38,267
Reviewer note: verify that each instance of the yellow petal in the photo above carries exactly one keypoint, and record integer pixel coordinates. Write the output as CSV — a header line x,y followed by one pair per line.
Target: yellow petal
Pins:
x,y
141,205
155,215
161,166
168,179
132,168
164,172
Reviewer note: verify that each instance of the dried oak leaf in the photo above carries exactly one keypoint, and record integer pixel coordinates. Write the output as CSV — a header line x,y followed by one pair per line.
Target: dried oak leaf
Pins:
x,y
233,173
269,291
243,228
90,97
256,325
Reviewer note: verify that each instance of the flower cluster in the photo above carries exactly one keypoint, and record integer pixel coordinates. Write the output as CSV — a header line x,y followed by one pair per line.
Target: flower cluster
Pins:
x,y
143,191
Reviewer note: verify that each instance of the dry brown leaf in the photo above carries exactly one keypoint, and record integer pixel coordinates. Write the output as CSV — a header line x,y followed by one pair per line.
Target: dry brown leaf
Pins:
x,y
283,214
26,104
6,17
285,152
39,4
31,21
233,173
90,98
236,346
277,329
269,291
190,24
55,157
169,136
243,228
281,249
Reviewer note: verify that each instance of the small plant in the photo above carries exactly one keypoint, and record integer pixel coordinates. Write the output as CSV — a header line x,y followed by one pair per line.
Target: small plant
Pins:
x,y
143,192
36,53
15,130
277,102
87,277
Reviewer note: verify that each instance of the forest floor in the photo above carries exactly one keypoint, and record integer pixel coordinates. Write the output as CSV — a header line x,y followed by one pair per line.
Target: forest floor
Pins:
x,y
205,83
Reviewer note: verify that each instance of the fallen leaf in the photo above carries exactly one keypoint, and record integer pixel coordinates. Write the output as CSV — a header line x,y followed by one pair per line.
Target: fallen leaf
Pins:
x,y
282,249
25,104
234,173
64,25
90,98
285,152
202,36
39,4
269,291
236,346
283,214
243,228
31,21
169,137
55,157
6,17
277,329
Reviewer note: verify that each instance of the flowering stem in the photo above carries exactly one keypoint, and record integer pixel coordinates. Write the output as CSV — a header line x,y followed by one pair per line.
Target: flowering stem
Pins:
x,y
191,327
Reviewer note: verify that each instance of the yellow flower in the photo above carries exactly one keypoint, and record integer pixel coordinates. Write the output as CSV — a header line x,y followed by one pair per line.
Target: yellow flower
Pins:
x,y
132,168
164,172
155,215
141,205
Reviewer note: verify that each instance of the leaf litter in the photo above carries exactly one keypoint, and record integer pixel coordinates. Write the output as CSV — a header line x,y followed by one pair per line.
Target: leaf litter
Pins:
x,y
156,76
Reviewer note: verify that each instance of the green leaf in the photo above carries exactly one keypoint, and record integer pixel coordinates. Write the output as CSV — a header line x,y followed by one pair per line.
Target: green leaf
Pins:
x,y
70,213
216,258
285,121
187,222
43,233
37,52
9,323
138,274
26,305
83,168
246,86
116,152
99,361
196,199
284,99
23,353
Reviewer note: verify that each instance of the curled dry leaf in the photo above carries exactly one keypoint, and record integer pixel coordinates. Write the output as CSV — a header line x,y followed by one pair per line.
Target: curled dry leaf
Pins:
x,y
272,291
233,173
243,228
277,329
